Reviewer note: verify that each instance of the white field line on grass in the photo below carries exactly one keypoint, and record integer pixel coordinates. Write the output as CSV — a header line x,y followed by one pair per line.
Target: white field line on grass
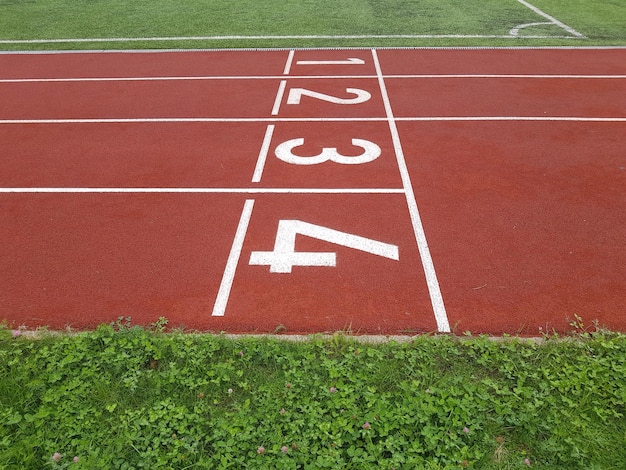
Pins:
x,y
286,37
551,19
274,49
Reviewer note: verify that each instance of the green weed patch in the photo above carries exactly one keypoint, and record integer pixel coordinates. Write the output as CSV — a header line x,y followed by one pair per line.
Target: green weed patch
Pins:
x,y
126,397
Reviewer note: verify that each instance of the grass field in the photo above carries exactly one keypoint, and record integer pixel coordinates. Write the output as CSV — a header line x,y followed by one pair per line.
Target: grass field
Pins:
x,y
119,24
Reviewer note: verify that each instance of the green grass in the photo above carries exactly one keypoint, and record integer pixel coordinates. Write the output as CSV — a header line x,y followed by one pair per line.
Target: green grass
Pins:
x,y
601,21
126,397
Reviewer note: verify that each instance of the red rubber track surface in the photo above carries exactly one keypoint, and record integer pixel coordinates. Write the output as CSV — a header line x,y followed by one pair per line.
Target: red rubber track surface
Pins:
x,y
126,177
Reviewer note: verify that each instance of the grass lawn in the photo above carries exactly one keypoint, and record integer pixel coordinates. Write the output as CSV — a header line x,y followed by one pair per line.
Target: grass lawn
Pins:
x,y
429,22
127,397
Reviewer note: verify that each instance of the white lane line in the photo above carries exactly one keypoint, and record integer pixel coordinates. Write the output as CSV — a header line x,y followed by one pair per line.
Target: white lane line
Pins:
x,y
52,190
279,37
311,119
289,62
233,259
260,163
514,118
306,77
170,78
510,75
279,97
439,309
179,120
552,19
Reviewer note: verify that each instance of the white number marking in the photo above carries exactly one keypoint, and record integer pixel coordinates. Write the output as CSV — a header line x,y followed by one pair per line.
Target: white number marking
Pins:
x,y
296,94
371,152
284,257
350,61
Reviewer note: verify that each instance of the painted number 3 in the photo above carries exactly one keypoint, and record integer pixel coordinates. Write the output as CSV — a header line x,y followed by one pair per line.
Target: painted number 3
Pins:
x,y
371,152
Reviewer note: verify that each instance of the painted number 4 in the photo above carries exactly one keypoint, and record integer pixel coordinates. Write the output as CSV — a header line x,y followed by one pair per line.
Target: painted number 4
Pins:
x,y
285,257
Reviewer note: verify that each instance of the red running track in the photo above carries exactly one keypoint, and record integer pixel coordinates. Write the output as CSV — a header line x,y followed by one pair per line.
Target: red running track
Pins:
x,y
225,191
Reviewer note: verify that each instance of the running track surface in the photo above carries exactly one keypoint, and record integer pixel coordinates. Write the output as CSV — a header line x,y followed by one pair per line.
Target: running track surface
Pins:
x,y
374,191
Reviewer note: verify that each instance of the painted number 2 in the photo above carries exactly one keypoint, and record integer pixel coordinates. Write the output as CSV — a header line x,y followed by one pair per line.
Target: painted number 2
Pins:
x,y
285,257
371,152
296,94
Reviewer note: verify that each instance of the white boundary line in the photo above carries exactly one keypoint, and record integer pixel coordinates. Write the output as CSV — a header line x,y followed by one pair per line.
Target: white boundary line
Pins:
x,y
523,76
552,19
191,78
303,77
233,259
285,37
330,119
279,97
127,190
329,48
260,163
439,309
288,63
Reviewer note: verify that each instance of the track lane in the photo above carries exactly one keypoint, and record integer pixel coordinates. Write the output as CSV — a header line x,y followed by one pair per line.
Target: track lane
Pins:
x,y
532,210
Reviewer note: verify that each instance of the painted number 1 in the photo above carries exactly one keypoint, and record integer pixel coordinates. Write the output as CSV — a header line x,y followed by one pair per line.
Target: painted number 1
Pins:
x,y
285,257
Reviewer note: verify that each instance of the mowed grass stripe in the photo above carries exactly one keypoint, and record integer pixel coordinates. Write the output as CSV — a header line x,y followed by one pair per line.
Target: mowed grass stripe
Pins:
x,y
250,23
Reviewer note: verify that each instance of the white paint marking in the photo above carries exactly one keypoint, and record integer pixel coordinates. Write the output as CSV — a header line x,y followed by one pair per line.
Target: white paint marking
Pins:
x,y
552,19
172,78
274,77
260,163
352,119
439,309
233,259
515,31
285,37
42,190
284,257
296,94
288,63
279,97
284,152
231,49
179,120
349,61
513,118
524,76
